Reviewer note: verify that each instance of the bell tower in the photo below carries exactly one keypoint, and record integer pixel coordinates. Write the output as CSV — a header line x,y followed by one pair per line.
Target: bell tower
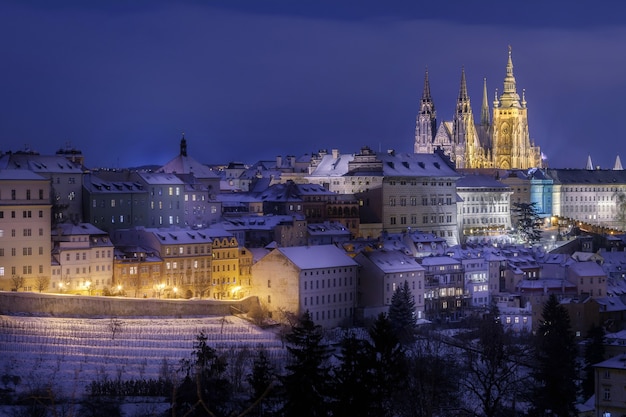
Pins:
x,y
426,121
512,148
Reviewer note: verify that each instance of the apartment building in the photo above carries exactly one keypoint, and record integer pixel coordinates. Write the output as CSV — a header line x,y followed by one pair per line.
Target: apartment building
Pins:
x,y
25,217
485,207
382,272
444,289
83,260
65,180
319,279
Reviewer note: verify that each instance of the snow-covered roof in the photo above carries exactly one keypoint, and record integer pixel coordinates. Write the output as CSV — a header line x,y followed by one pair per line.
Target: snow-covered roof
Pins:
x,y
20,175
332,166
480,181
39,163
587,269
160,178
439,260
316,257
70,229
416,165
392,261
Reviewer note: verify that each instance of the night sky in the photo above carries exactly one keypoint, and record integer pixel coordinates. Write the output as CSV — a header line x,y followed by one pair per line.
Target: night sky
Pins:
x,y
251,79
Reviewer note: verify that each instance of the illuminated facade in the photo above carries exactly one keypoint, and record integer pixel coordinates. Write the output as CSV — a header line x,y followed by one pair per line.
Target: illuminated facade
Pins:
x,y
502,143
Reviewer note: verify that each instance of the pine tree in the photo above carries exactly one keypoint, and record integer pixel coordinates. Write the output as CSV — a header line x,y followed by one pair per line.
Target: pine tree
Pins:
x,y
389,369
353,378
555,353
402,314
306,384
263,382
594,353
204,390
528,221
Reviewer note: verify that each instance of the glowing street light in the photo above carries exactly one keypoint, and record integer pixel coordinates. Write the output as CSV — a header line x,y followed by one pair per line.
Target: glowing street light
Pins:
x,y
175,291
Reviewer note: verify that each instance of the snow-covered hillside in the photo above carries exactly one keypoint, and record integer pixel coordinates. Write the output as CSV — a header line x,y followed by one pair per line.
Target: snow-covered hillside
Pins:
x,y
66,354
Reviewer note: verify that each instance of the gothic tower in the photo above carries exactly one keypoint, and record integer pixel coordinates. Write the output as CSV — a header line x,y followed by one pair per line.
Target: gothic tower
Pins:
x,y
466,147
426,121
511,141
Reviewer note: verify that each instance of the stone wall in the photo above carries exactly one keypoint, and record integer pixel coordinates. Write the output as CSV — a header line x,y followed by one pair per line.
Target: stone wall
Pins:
x,y
36,304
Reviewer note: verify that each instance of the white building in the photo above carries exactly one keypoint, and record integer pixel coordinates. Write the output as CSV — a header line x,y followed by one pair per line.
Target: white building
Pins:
x,y
25,213
83,259
320,279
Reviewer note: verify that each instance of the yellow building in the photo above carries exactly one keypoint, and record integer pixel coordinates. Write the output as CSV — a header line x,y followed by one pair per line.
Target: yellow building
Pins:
x,y
502,143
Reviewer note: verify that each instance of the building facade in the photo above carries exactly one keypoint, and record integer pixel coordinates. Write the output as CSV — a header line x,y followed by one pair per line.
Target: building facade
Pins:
x,y
319,279
25,217
502,142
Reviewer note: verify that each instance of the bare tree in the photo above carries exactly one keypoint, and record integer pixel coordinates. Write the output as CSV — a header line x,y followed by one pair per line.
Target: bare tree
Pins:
x,y
496,369
18,282
115,326
42,283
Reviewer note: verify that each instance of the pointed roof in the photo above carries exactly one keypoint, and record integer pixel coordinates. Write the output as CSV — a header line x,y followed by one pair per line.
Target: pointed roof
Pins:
x,y
427,106
463,96
589,166
183,164
484,109
618,164
509,96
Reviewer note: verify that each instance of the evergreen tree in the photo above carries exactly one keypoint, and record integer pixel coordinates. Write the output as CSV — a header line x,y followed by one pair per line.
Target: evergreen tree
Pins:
x,y
594,353
527,221
353,378
263,382
555,353
389,368
402,314
306,384
204,390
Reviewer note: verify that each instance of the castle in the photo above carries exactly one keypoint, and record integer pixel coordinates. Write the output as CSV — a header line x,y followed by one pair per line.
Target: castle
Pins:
x,y
500,143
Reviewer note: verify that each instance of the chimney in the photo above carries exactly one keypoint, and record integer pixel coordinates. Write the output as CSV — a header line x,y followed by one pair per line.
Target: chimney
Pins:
x,y
279,161
335,153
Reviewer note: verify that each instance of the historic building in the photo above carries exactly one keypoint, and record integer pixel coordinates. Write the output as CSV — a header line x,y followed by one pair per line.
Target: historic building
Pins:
x,y
25,215
502,142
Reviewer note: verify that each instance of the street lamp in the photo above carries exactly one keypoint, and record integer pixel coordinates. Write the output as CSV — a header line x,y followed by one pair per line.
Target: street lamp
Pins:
x,y
175,291
160,287
119,289
88,286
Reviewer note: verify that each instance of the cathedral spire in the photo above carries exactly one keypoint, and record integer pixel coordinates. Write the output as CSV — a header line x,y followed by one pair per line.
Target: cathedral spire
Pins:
x,y
618,164
484,110
589,166
426,121
463,90
509,96
183,146
463,103
427,106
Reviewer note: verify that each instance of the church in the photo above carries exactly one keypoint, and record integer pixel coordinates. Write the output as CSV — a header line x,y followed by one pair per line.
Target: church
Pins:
x,y
499,142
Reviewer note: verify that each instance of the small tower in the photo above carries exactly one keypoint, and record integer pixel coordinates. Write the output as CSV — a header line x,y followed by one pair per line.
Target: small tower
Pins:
x,y
589,166
426,121
183,146
618,164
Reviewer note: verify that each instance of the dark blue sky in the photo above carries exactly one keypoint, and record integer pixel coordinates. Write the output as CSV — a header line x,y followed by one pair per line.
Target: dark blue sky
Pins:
x,y
248,80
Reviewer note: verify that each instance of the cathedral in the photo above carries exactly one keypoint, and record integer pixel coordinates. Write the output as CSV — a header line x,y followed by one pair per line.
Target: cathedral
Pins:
x,y
501,143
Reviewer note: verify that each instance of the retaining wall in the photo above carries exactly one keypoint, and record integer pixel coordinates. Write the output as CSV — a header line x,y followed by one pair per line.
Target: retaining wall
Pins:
x,y
58,305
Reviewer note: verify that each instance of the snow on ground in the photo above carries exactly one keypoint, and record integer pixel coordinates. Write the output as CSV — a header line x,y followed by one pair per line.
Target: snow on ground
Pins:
x,y
67,354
